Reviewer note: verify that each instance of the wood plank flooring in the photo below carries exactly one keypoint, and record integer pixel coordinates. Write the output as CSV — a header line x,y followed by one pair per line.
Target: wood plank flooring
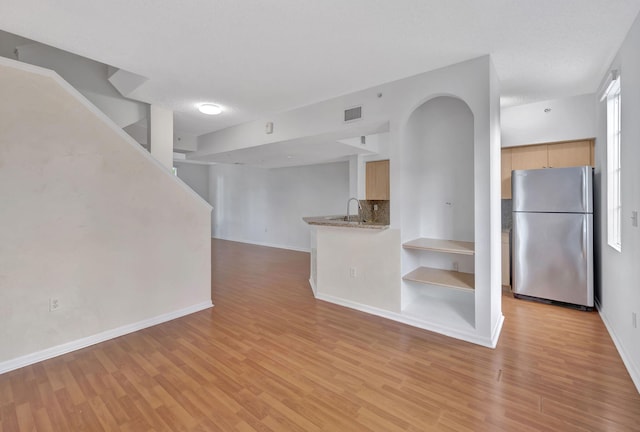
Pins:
x,y
269,357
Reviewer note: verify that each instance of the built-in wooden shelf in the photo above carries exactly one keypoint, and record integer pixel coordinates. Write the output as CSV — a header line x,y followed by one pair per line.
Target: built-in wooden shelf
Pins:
x,y
447,278
437,245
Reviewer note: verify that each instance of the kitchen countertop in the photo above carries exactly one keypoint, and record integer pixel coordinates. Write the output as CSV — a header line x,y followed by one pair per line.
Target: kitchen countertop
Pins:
x,y
338,221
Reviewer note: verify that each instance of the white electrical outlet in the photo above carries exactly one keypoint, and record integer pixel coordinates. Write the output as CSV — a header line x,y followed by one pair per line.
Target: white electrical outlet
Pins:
x,y
634,320
352,272
455,266
54,304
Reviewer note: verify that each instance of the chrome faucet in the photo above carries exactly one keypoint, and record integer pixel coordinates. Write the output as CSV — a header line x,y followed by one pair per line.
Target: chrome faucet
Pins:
x,y
359,210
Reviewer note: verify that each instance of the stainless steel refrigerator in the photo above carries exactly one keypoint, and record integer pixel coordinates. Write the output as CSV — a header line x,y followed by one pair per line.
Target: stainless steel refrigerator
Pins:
x,y
553,234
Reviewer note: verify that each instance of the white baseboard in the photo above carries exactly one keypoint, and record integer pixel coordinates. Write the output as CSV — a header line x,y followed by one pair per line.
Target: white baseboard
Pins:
x,y
313,287
497,330
65,348
414,322
272,245
633,370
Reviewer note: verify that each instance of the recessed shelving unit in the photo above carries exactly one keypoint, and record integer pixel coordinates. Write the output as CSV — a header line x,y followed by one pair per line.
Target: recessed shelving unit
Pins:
x,y
447,278
433,276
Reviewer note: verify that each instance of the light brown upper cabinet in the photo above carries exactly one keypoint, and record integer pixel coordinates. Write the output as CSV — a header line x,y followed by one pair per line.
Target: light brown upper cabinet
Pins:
x,y
377,182
505,163
529,157
568,154
552,155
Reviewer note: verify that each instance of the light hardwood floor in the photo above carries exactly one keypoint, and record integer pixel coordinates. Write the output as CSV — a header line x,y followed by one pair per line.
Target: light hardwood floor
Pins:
x,y
269,357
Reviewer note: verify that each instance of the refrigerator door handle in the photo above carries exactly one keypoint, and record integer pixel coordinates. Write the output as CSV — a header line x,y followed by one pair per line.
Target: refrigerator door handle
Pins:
x,y
585,190
584,239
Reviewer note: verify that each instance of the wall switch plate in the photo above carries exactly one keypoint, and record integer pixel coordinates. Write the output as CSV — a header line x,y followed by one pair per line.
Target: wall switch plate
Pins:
x,y
54,304
268,128
634,219
352,272
634,320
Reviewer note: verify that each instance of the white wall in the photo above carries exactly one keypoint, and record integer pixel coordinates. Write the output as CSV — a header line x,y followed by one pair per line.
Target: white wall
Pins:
x,y
266,206
8,44
619,280
195,176
161,135
570,118
373,254
90,218
490,167
184,142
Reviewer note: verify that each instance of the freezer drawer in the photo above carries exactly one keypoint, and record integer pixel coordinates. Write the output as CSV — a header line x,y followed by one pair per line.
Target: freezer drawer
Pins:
x,y
553,190
553,256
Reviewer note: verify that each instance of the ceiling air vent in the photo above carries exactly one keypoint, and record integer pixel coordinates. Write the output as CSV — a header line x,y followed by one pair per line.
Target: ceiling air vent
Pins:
x,y
352,114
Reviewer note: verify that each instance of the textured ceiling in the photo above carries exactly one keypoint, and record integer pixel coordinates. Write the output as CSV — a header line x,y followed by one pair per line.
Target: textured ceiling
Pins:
x,y
257,57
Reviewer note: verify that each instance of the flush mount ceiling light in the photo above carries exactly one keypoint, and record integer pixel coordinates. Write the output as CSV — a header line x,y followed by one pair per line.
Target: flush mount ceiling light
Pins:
x,y
209,109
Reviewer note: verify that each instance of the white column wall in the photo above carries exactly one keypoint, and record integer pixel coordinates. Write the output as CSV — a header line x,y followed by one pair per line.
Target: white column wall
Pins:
x,y
161,135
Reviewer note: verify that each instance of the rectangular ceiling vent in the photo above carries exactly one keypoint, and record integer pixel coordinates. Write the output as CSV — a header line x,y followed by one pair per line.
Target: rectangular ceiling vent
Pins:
x,y
352,114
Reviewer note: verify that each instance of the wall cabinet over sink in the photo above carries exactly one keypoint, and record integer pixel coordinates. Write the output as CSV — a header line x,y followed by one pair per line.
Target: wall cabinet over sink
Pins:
x,y
377,180
551,155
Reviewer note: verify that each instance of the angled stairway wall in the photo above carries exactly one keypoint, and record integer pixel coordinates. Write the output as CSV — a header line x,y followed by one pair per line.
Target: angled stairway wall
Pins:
x,y
89,77
89,218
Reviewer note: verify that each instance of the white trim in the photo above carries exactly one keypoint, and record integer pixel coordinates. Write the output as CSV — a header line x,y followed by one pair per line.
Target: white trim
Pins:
x,y
313,287
271,245
102,116
632,368
68,347
425,325
608,83
497,330
192,162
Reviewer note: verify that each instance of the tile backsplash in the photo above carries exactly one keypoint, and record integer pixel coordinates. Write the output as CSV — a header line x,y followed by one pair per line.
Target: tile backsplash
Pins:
x,y
507,207
370,214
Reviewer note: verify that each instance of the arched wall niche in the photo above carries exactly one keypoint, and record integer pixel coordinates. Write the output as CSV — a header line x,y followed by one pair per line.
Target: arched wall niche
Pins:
x,y
438,151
